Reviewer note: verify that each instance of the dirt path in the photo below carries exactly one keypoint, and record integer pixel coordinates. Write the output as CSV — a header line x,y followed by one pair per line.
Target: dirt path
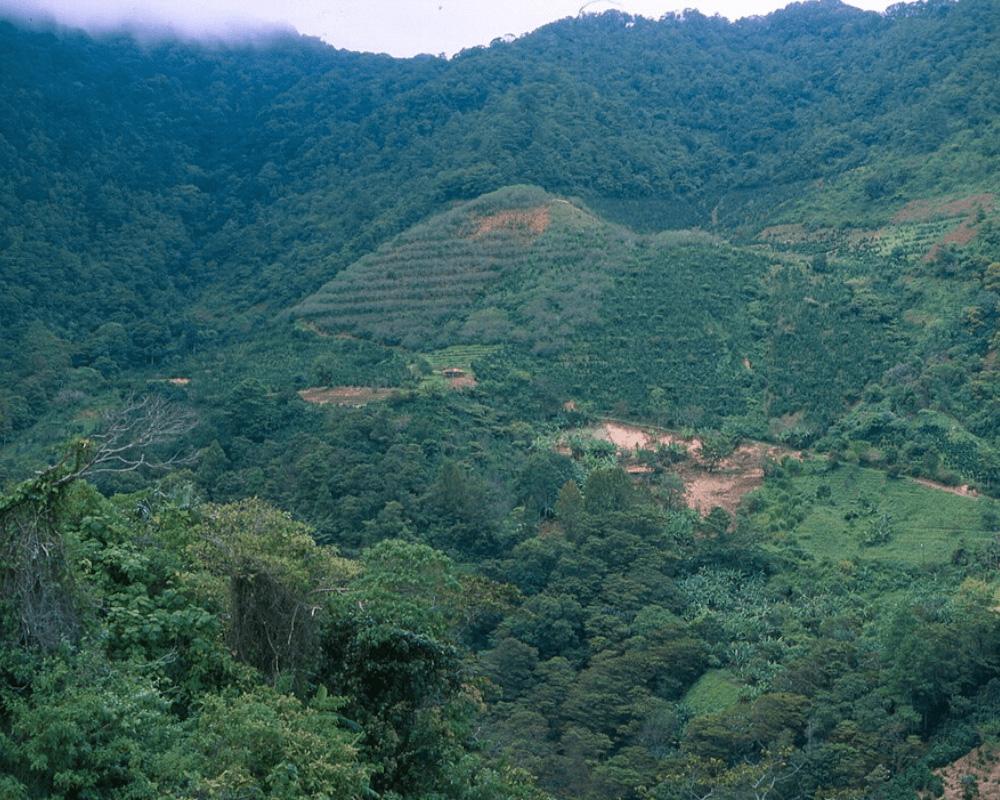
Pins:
x,y
962,491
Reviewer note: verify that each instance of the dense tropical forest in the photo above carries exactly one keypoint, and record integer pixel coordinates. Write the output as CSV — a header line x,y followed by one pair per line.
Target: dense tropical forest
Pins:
x,y
609,413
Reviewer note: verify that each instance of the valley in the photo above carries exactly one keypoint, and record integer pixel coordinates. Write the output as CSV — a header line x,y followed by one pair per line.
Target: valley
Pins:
x,y
609,413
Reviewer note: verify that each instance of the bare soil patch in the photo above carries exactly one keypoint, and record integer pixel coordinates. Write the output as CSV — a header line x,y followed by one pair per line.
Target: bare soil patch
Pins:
x,y
733,479
344,395
532,221
962,491
629,438
960,235
704,491
178,381
459,377
726,485
463,382
926,210
982,765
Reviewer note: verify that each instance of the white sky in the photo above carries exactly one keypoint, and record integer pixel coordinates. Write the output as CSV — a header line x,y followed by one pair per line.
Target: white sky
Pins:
x,y
399,27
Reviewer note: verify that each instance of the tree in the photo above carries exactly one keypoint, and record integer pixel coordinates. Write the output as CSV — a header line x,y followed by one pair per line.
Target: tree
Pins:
x,y
388,647
715,447
127,440
607,489
540,482
261,743
277,579
569,506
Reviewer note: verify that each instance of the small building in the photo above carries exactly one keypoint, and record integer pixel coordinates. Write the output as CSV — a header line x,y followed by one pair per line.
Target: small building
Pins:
x,y
453,372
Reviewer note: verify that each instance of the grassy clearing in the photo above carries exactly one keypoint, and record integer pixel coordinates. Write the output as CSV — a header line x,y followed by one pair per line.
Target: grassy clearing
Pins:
x,y
855,512
715,691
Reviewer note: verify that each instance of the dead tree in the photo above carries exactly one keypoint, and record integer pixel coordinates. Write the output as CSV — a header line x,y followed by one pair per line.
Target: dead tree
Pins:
x,y
127,440
38,597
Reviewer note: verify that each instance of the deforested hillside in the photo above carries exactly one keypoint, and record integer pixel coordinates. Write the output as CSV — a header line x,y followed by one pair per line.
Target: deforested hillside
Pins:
x,y
252,173
164,199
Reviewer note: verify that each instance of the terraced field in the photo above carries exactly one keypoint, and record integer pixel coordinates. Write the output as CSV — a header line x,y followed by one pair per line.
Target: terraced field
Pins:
x,y
517,264
458,356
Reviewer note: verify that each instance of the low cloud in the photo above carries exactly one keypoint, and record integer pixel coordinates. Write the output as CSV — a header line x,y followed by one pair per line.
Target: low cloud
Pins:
x,y
210,20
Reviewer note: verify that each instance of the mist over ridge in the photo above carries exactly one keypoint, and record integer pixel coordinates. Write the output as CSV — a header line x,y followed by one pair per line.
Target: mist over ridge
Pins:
x,y
404,29
166,22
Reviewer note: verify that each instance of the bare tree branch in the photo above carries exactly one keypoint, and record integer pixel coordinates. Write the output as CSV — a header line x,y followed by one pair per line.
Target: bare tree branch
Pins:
x,y
127,439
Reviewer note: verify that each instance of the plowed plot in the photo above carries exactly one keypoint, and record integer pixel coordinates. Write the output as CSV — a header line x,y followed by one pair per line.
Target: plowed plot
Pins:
x,y
925,210
533,221
724,486
344,395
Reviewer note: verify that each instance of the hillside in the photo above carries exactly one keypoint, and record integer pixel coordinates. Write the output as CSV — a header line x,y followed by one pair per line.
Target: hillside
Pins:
x,y
630,392
517,265
798,333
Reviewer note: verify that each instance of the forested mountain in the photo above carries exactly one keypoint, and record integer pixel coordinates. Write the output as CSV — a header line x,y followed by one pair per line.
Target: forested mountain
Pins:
x,y
629,391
